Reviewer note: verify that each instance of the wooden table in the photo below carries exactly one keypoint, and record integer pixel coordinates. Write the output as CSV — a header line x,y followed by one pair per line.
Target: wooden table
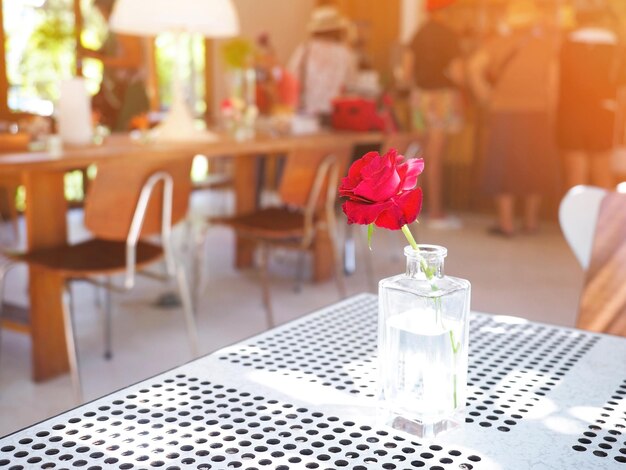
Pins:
x,y
42,174
304,395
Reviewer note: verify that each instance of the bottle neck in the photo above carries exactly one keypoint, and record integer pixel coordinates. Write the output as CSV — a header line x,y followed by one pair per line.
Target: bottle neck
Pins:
x,y
427,263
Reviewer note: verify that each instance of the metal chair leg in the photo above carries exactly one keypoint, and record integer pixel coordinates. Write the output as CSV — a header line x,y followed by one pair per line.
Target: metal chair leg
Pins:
x,y
15,226
349,261
11,191
369,264
188,310
339,274
4,270
265,285
299,271
97,301
70,340
108,318
188,229
198,261
337,260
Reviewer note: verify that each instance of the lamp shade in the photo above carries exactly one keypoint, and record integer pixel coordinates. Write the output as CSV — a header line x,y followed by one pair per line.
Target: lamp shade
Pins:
x,y
211,18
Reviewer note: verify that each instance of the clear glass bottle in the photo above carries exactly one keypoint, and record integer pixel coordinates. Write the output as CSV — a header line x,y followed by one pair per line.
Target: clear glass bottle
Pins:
x,y
242,90
423,334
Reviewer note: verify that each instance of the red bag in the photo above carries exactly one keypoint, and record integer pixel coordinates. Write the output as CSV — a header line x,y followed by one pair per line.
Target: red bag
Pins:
x,y
356,114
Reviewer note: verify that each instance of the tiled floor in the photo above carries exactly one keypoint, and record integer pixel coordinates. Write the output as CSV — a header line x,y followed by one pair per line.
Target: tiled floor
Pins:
x,y
532,276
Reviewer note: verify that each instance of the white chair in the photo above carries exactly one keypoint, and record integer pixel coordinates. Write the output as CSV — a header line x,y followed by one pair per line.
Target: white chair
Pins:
x,y
578,216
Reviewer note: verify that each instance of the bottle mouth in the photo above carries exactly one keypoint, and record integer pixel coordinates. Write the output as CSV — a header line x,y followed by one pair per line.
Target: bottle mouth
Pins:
x,y
426,251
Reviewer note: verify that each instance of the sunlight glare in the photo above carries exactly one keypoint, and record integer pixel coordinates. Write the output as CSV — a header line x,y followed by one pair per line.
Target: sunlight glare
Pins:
x,y
563,425
584,413
509,320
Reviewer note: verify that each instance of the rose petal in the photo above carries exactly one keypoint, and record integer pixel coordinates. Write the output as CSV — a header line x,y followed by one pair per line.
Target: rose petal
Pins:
x,y
393,157
380,180
354,198
411,203
363,214
346,187
379,189
354,173
382,189
409,172
403,210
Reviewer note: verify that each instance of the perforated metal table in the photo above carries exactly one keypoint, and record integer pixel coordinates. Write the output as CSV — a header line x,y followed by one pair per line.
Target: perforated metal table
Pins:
x,y
301,396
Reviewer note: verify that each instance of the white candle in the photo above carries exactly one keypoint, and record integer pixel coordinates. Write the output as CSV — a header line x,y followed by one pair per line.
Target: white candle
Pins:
x,y
74,113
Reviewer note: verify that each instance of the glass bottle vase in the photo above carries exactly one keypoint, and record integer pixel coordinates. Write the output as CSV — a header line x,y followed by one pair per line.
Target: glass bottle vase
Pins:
x,y
423,334
242,94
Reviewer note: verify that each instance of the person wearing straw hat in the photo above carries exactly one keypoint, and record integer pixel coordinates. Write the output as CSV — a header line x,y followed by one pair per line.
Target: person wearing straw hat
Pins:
x,y
324,64
514,77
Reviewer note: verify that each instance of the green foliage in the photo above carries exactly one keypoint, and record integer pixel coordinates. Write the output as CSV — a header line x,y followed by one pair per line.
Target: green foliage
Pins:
x,y
41,49
73,189
73,182
199,168
237,53
49,54
93,35
190,57
20,199
166,66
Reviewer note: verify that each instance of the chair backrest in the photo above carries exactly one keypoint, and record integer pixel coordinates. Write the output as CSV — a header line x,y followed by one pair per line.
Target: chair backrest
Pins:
x,y
578,215
113,195
406,144
300,173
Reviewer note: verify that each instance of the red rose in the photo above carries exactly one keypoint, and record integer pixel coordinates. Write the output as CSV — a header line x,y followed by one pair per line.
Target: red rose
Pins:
x,y
382,190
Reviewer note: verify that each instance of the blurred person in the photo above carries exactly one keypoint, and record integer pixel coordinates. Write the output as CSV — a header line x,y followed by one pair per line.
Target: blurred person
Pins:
x,y
591,66
435,66
514,78
324,64
276,87
122,98
366,79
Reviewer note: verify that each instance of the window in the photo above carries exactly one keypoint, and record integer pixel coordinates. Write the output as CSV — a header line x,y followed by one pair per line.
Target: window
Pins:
x,y
192,69
41,50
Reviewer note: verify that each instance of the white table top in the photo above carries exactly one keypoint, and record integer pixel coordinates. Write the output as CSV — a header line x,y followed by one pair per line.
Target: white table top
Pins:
x,y
302,396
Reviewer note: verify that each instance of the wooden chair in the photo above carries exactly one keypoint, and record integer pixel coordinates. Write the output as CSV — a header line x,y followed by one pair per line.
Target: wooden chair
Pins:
x,y
9,182
308,191
602,305
128,206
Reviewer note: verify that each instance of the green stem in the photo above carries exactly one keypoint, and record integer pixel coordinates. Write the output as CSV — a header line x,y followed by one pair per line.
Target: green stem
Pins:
x,y
454,388
455,350
429,275
409,237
